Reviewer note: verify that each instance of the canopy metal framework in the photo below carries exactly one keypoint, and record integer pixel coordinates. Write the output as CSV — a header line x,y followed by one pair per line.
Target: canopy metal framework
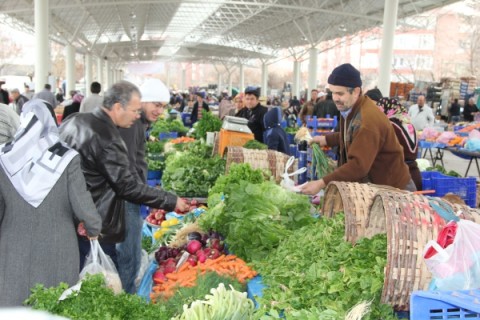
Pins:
x,y
229,31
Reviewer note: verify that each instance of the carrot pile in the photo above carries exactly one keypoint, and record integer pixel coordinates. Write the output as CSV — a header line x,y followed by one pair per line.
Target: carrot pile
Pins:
x,y
186,275
470,127
456,141
182,140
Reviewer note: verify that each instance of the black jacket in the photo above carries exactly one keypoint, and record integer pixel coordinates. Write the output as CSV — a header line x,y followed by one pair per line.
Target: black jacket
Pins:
x,y
255,121
134,138
107,172
194,116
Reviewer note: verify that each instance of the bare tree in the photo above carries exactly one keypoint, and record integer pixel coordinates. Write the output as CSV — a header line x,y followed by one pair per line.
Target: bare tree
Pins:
x,y
10,50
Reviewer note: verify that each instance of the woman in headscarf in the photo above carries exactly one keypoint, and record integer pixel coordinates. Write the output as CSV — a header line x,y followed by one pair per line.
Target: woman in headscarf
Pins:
x,y
274,136
406,135
74,107
43,195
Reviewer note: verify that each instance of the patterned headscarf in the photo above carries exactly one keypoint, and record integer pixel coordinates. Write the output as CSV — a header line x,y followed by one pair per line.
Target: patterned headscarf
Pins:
x,y
393,109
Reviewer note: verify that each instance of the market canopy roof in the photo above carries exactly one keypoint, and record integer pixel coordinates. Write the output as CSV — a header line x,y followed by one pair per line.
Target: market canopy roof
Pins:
x,y
201,30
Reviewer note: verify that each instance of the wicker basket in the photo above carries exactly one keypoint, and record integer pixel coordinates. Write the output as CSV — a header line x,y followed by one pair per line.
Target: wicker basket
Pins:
x,y
409,222
354,199
261,159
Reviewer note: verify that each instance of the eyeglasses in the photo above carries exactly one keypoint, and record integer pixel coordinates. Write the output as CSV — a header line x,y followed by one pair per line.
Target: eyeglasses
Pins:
x,y
138,111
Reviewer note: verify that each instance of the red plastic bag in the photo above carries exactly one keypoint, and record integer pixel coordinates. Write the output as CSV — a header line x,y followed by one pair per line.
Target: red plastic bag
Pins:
x,y
454,258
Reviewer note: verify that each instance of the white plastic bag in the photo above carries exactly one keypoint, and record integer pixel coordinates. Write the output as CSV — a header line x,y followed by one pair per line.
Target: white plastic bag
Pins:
x,y
287,182
98,262
457,266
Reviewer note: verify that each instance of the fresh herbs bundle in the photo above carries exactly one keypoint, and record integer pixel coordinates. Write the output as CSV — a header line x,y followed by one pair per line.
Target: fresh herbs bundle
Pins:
x,y
192,172
208,123
316,269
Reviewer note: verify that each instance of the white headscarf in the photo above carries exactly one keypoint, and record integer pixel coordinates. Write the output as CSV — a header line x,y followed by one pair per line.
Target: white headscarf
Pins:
x,y
36,158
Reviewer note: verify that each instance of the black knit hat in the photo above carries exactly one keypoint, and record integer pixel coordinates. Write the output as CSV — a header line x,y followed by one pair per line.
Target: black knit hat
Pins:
x,y
345,75
253,90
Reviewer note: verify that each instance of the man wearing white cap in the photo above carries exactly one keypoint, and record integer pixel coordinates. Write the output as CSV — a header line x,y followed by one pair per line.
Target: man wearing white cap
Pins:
x,y
155,97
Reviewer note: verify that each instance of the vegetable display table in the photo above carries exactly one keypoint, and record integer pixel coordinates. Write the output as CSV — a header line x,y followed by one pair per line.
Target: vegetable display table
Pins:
x,y
427,146
466,154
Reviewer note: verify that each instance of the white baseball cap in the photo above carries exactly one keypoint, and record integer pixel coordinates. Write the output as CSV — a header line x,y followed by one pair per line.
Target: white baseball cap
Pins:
x,y
153,90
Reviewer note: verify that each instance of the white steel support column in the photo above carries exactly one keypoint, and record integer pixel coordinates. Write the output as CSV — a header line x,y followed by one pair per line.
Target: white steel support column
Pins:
x,y
184,79
70,67
296,79
88,74
386,51
219,83
230,83
167,66
42,59
242,78
100,73
108,75
312,72
264,91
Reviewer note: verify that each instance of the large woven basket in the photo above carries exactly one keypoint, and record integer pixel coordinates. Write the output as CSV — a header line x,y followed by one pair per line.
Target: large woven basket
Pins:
x,y
409,222
354,199
261,159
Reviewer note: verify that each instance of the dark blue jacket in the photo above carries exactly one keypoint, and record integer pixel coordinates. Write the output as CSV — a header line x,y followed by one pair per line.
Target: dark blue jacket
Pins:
x,y
274,136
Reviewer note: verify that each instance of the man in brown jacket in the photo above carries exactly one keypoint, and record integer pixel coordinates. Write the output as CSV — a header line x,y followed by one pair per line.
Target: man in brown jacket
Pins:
x,y
369,149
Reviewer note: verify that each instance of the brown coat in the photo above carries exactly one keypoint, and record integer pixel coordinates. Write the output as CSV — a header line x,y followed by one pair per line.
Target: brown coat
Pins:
x,y
372,152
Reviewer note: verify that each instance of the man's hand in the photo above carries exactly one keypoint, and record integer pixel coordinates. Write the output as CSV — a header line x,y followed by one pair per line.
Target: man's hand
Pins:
x,y
321,140
312,187
182,205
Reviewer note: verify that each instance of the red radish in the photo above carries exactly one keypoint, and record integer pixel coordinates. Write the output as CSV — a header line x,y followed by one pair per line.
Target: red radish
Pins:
x,y
216,244
201,257
194,202
168,261
159,216
193,246
213,254
192,260
169,268
159,276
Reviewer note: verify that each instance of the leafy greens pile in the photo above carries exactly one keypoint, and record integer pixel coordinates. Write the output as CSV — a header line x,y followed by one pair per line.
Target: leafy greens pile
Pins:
x,y
193,171
315,273
255,217
94,301
237,173
167,125
208,123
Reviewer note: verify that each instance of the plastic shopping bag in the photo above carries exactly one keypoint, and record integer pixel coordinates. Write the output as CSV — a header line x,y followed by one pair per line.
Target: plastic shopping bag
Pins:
x,y
287,182
99,262
454,258
145,287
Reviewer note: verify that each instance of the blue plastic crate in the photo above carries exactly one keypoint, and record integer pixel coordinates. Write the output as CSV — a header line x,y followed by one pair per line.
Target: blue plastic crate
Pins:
x,y
173,135
429,305
154,174
293,150
153,182
465,188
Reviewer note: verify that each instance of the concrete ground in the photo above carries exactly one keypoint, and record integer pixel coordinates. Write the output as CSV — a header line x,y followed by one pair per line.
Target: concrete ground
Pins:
x,y
454,162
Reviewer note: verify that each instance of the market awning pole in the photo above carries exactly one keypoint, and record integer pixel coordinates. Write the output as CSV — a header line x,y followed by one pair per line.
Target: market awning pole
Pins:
x,y
42,59
70,68
296,78
386,51
88,73
312,72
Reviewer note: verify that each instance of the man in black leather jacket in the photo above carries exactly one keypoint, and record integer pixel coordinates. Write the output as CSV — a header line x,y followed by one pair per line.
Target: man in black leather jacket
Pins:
x,y
106,166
